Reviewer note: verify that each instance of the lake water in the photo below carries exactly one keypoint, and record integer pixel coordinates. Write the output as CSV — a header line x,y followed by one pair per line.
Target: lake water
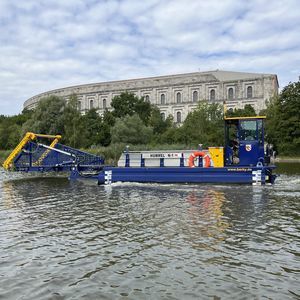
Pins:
x,y
76,240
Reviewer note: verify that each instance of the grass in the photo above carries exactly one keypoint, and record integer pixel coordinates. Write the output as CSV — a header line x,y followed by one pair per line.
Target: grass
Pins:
x,y
284,158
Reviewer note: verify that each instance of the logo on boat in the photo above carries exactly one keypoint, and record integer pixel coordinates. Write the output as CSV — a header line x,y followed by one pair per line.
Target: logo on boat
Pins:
x,y
248,147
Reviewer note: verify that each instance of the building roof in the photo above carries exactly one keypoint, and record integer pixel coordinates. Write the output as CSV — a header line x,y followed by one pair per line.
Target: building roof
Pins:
x,y
231,75
175,79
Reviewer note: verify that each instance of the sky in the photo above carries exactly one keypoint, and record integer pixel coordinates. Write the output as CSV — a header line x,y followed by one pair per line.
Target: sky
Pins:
x,y
49,44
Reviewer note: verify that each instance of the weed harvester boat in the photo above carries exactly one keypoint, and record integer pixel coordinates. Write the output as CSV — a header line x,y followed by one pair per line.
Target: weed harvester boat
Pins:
x,y
244,159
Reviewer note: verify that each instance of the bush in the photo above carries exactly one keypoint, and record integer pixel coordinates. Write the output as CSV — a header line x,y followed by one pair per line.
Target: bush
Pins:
x,y
131,130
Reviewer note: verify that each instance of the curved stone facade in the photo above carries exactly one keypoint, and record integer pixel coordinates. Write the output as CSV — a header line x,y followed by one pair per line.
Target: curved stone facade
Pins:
x,y
176,95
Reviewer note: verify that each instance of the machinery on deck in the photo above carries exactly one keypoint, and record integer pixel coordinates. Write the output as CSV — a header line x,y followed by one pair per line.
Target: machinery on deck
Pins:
x,y
244,159
33,154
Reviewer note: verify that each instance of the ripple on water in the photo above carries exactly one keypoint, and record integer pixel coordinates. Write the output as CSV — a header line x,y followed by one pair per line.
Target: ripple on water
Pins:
x,y
65,240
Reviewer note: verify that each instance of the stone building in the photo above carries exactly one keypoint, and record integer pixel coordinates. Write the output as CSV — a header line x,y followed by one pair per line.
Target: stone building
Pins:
x,y
176,95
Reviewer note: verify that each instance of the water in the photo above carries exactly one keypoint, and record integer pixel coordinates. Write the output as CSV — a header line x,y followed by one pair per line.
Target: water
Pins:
x,y
77,240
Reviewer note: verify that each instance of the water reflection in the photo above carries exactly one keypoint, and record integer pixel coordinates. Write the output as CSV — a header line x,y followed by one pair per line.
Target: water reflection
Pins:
x,y
205,212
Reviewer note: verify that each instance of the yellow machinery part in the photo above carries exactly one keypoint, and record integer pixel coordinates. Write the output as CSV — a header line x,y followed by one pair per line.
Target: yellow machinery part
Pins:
x,y
46,152
217,156
29,136
8,162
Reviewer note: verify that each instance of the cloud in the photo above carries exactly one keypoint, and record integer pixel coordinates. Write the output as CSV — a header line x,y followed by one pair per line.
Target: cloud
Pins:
x,y
50,44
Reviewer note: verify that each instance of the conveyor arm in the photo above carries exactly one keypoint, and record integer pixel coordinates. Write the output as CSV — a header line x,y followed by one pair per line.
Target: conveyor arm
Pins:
x,y
29,136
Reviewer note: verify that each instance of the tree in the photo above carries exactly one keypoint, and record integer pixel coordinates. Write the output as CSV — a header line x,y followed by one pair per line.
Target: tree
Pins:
x,y
247,111
283,120
157,123
131,130
124,105
108,121
144,110
75,133
93,125
48,117
204,125
129,104
10,129
10,134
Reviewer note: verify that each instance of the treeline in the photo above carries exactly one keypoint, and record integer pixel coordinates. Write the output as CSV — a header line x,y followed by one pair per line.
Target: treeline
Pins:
x,y
283,120
131,120
134,121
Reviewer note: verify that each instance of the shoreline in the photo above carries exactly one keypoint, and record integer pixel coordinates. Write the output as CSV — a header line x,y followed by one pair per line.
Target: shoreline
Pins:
x,y
287,160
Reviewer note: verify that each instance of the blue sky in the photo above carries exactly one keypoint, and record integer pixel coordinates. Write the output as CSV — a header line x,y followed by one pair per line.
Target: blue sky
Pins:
x,y
48,44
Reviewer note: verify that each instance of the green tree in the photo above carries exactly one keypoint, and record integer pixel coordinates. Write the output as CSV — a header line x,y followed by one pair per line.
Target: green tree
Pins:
x,y
124,105
247,111
10,134
129,104
10,129
283,120
144,110
93,125
131,130
157,123
203,125
48,117
75,133
108,121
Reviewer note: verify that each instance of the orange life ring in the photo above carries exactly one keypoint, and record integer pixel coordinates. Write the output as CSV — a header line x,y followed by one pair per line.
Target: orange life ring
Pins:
x,y
206,159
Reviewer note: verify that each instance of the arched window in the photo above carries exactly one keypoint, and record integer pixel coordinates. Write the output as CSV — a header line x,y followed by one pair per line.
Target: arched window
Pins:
x,y
178,117
249,92
79,105
195,96
212,95
147,98
91,104
178,97
163,116
163,99
230,94
104,103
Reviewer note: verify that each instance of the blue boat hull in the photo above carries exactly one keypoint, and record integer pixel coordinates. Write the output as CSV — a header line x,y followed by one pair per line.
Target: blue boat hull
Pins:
x,y
248,175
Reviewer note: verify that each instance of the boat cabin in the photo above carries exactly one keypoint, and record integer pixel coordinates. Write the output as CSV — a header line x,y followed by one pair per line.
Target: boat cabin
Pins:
x,y
244,141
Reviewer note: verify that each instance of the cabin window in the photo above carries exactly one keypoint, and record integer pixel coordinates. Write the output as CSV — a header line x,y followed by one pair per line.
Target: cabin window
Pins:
x,y
248,130
178,97
104,103
212,95
249,92
230,94
162,99
178,117
195,96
